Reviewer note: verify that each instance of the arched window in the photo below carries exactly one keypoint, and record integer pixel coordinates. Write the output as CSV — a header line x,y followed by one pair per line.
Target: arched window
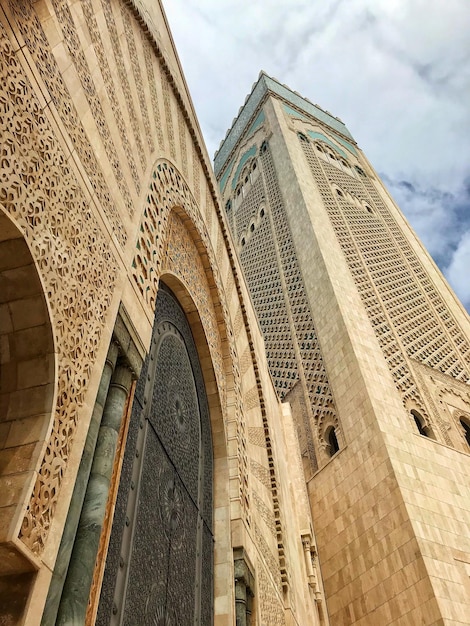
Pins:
x,y
421,425
332,440
466,429
302,137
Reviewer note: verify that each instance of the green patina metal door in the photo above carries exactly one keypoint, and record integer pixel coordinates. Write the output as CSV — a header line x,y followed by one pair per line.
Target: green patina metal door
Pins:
x,y
159,567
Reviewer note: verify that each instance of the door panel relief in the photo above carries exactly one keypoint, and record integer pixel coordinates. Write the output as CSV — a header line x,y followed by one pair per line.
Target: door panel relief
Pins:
x,y
160,560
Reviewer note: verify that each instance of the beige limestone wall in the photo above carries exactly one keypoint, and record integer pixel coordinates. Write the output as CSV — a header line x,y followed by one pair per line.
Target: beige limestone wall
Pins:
x,y
376,516
114,191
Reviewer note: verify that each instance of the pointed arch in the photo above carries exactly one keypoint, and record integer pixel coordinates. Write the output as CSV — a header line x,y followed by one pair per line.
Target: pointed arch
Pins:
x,y
27,395
174,248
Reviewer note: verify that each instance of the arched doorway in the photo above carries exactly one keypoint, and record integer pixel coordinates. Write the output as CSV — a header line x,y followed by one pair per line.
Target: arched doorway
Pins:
x,y
160,559
27,385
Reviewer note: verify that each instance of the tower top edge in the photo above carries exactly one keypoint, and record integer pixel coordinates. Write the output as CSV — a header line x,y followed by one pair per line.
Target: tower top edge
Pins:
x,y
264,86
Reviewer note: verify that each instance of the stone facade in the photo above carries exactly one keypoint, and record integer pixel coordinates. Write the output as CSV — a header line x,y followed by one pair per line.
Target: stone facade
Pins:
x,y
108,205
107,193
370,347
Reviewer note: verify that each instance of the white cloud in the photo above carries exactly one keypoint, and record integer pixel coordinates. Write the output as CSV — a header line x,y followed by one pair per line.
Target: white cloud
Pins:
x,y
396,71
458,271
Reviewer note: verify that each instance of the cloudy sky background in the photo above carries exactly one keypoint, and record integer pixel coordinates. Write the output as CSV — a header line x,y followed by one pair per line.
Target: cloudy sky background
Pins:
x,y
397,72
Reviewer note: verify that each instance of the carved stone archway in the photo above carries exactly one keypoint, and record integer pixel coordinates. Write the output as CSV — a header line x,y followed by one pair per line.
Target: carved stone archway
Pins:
x,y
27,384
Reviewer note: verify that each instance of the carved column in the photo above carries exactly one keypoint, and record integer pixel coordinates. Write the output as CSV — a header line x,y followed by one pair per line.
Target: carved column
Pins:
x,y
73,605
73,516
240,601
310,554
244,587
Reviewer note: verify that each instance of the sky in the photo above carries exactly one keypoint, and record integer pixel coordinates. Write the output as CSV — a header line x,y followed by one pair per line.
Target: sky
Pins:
x,y
397,72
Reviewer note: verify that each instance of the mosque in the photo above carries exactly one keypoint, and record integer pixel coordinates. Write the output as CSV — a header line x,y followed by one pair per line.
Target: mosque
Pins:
x,y
232,393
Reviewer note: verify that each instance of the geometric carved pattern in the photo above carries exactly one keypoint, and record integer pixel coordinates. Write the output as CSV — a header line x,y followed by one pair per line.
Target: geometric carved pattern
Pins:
x,y
134,56
196,175
269,558
73,258
147,261
408,316
264,277
261,473
168,112
238,322
77,55
265,512
301,316
168,190
183,259
270,605
182,138
148,57
39,48
445,358
256,436
123,79
251,399
276,287
209,207
108,82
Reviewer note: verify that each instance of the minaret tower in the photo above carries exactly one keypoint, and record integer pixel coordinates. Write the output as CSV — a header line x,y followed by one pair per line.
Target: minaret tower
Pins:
x,y
370,347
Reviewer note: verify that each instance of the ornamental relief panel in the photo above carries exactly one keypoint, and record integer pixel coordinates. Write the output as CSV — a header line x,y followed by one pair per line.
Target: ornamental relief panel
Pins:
x,y
270,603
134,56
38,46
123,79
42,194
449,400
413,327
165,243
111,89
77,56
182,258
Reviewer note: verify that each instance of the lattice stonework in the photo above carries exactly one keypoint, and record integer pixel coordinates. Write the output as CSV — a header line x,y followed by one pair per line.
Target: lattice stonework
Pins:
x,y
133,55
111,91
258,256
40,191
123,79
276,286
168,113
38,46
77,55
410,319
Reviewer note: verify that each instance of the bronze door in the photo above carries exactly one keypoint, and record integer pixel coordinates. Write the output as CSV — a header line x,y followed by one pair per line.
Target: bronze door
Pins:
x,y
159,568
